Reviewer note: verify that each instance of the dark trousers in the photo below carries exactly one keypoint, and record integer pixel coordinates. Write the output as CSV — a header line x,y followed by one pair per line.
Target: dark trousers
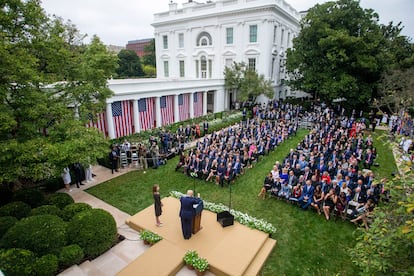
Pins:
x,y
186,227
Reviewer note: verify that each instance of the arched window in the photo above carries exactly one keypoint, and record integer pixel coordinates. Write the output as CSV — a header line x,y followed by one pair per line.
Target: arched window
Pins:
x,y
204,39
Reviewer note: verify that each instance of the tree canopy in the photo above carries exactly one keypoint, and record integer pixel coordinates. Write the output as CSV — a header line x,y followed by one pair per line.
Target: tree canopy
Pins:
x,y
246,83
50,86
129,64
341,52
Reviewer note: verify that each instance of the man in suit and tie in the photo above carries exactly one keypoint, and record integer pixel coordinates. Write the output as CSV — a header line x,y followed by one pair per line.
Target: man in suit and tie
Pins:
x,y
307,195
187,212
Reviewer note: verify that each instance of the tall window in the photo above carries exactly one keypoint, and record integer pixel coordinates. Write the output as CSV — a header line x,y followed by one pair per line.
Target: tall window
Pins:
x,y
197,72
282,37
210,68
165,41
253,33
274,34
182,72
229,35
180,40
166,69
252,64
288,40
203,68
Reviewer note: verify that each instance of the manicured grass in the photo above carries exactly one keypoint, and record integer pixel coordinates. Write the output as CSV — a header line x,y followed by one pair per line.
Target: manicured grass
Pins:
x,y
307,244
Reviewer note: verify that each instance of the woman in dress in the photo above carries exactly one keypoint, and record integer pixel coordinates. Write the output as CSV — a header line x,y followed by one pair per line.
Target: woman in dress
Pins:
x,y
157,204
341,205
267,185
330,201
66,179
318,196
213,170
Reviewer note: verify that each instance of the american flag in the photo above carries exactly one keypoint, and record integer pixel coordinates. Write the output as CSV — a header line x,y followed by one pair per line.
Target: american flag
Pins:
x,y
167,110
184,107
198,104
122,115
98,121
146,113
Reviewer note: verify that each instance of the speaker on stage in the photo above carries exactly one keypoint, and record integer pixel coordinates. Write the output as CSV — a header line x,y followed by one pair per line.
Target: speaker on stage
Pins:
x,y
225,218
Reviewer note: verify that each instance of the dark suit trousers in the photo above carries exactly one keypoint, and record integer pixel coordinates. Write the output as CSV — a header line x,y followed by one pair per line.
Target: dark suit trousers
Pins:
x,y
186,227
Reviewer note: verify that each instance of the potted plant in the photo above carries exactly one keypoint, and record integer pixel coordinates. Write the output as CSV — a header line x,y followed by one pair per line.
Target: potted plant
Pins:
x,y
189,258
154,238
200,265
149,237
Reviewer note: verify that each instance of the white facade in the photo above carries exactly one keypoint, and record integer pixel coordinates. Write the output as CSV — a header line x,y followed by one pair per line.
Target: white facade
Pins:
x,y
193,44
198,40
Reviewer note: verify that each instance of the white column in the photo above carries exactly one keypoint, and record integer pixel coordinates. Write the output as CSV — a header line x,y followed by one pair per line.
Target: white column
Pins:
x,y
176,109
157,111
205,103
109,121
136,116
191,103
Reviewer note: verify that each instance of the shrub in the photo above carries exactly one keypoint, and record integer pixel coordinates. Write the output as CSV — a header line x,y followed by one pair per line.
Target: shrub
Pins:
x,y
190,256
94,230
33,197
46,210
54,184
70,255
46,265
6,223
60,200
6,195
41,234
16,261
72,209
15,209
149,237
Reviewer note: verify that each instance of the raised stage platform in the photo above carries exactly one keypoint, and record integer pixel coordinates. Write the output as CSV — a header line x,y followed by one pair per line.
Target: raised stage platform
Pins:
x,y
233,250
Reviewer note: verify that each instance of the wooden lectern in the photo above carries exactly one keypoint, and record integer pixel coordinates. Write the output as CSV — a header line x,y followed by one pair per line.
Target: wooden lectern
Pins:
x,y
196,225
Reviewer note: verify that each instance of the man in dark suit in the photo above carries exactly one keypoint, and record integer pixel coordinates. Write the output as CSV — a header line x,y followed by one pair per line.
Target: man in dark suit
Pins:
x,y
187,212
307,195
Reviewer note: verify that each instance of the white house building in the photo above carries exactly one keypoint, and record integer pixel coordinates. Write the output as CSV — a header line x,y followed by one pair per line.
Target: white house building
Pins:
x,y
194,43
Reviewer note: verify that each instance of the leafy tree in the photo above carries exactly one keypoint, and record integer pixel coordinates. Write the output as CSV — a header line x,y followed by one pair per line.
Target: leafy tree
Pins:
x,y
246,82
49,84
150,71
341,52
388,246
129,64
149,54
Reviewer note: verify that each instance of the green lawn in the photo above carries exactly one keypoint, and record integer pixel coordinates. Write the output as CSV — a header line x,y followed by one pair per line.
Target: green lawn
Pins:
x,y
307,244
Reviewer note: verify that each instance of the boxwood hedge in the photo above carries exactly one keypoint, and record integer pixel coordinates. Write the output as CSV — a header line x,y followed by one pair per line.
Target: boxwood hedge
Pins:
x,y
17,209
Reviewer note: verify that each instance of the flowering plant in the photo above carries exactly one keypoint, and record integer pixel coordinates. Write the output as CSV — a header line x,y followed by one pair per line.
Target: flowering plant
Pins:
x,y
242,218
200,264
190,256
149,236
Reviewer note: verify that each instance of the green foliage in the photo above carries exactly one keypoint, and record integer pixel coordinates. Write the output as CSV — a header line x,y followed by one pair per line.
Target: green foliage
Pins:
x,y
53,184
94,230
149,71
46,265
70,255
15,209
60,200
33,197
47,210
149,236
45,69
341,52
200,264
129,64
41,234
17,262
149,54
72,209
190,256
246,83
6,223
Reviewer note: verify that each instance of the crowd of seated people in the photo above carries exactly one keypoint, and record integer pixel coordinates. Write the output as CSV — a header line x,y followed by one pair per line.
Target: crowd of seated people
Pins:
x,y
329,171
223,155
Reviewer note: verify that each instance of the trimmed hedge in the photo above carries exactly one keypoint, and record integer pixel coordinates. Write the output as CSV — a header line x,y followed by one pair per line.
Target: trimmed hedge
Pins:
x,y
70,255
94,230
60,200
33,197
41,234
17,262
46,265
72,209
6,223
17,209
46,210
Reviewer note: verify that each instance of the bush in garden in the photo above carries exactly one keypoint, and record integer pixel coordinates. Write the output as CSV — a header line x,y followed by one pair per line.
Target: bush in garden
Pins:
x,y
15,209
32,197
46,210
6,223
94,230
16,261
46,265
41,234
60,200
72,209
70,255
53,184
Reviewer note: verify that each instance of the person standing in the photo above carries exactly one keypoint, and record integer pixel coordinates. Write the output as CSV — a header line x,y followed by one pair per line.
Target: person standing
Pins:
x,y
157,204
67,179
187,212
113,158
78,174
155,153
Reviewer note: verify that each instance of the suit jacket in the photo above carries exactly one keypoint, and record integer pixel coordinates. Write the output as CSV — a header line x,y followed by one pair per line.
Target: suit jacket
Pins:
x,y
187,210
308,191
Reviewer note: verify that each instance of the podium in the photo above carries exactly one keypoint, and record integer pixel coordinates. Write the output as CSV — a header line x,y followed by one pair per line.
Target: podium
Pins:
x,y
196,224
